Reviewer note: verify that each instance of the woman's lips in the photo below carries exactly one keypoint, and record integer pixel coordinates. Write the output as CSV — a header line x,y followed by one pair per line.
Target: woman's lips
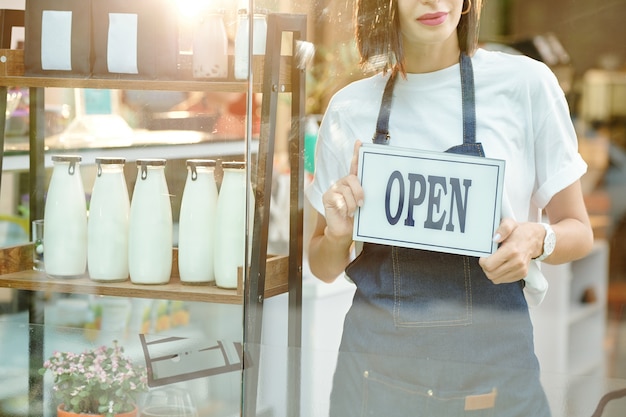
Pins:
x,y
433,19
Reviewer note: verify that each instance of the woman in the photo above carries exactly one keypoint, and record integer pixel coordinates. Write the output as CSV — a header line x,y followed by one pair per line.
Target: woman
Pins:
x,y
431,333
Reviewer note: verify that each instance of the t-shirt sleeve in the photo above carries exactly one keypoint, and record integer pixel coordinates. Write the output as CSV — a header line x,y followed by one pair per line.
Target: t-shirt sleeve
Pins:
x,y
557,161
333,153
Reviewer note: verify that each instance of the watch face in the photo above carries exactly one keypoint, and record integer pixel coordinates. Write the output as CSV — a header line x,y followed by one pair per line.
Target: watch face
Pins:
x,y
549,242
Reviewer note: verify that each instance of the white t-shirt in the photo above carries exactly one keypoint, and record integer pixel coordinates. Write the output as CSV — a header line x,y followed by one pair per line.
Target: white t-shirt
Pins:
x,y
522,117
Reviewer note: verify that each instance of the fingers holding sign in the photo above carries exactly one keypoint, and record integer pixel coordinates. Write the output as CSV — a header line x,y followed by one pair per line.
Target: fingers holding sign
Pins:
x,y
511,261
342,199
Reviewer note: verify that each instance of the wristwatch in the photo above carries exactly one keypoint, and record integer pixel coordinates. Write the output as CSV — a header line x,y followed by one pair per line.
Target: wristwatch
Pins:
x,y
549,242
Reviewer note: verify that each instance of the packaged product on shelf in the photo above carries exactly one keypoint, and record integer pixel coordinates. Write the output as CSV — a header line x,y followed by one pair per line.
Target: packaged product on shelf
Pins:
x,y
179,313
150,225
136,39
115,316
140,321
107,226
70,312
242,40
161,315
91,329
196,227
65,219
230,221
210,46
57,38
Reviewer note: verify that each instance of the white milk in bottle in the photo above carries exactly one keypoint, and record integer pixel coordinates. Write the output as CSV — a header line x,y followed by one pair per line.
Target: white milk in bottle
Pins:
x,y
196,228
242,40
107,226
150,225
210,46
65,219
230,224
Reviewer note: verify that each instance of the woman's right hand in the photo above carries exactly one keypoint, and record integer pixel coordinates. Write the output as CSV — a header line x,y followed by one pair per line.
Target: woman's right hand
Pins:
x,y
329,249
341,201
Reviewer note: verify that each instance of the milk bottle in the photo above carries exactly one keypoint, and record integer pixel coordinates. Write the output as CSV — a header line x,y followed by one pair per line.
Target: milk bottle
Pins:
x,y
230,224
107,226
242,41
65,219
210,46
150,225
196,228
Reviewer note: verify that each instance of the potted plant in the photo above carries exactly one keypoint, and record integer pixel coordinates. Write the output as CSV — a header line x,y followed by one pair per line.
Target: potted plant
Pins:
x,y
101,381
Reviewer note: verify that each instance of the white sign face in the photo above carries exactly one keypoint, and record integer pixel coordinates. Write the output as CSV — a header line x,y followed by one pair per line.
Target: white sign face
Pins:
x,y
435,201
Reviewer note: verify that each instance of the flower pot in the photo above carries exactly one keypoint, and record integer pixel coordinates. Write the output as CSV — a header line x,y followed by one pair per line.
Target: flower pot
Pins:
x,y
62,413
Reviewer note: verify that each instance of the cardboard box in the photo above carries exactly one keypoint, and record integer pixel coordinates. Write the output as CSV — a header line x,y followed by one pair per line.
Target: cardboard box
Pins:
x,y
135,39
57,38
11,62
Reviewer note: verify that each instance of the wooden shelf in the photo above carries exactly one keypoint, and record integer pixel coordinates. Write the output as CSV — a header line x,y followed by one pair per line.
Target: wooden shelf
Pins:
x,y
174,290
122,84
129,83
16,272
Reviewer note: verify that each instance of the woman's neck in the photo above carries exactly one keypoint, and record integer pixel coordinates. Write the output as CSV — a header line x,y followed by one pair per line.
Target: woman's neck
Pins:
x,y
429,58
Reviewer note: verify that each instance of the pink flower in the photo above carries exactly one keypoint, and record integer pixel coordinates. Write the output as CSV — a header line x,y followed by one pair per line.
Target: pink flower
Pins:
x,y
94,375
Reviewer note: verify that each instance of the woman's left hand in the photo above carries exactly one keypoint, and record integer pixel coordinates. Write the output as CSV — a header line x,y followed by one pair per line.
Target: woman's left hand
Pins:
x,y
519,244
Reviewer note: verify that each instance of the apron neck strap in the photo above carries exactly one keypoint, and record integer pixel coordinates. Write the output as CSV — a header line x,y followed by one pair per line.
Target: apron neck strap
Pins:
x,y
468,102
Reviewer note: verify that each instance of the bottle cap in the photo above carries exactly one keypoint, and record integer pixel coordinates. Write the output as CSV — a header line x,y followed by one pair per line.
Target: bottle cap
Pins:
x,y
233,165
111,160
66,158
200,162
151,162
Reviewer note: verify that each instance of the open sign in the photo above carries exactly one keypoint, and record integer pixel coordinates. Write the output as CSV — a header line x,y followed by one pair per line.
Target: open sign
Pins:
x,y
435,201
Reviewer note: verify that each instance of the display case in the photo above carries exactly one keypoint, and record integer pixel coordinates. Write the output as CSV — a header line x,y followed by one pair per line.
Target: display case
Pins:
x,y
266,275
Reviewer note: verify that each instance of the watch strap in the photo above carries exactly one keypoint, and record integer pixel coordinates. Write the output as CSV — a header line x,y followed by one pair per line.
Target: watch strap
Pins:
x,y
548,242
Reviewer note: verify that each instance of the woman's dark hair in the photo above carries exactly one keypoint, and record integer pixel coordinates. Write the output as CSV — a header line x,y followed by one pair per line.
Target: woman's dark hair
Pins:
x,y
378,36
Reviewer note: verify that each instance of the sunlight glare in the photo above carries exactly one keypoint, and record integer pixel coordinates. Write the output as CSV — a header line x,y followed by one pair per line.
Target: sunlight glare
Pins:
x,y
190,8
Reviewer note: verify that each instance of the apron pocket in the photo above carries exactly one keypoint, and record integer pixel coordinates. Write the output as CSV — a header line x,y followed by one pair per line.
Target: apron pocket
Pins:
x,y
431,289
385,396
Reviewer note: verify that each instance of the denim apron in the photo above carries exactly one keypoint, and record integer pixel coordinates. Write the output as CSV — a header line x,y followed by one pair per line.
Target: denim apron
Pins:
x,y
428,334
